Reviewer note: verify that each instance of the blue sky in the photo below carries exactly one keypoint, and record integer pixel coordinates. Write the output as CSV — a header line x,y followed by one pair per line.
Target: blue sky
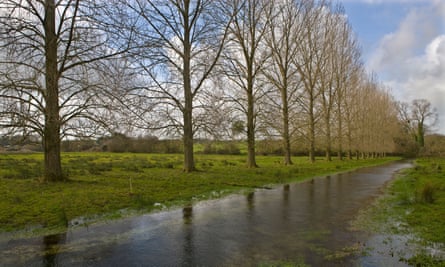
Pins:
x,y
403,42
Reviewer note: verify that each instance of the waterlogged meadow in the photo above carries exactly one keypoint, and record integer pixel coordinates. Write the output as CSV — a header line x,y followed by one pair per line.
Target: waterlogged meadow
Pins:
x,y
104,186
413,210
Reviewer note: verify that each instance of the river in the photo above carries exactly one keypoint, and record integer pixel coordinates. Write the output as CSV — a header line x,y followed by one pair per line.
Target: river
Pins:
x,y
300,223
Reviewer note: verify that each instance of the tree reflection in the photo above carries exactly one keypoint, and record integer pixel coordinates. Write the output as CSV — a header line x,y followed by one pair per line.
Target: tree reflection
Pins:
x,y
250,201
286,189
187,214
51,247
188,247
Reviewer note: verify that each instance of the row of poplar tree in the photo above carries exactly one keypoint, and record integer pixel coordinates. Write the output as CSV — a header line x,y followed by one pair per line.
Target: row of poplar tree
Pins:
x,y
290,70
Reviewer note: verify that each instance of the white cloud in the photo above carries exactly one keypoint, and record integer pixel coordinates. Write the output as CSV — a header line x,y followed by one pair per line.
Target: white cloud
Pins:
x,y
424,77
411,60
415,31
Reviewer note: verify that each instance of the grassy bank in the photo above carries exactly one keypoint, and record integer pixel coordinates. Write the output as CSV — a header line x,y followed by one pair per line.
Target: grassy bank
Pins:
x,y
105,186
414,205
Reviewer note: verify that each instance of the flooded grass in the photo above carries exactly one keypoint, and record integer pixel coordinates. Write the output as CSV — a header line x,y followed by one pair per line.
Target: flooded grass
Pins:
x,y
413,207
105,186
294,224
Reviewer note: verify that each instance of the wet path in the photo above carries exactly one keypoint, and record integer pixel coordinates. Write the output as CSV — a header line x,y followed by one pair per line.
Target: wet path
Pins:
x,y
305,222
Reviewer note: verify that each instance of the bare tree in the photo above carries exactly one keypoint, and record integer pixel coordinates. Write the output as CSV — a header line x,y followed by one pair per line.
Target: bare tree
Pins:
x,y
327,87
417,118
425,116
310,62
217,117
243,59
347,58
285,33
349,110
366,119
375,121
48,49
335,89
187,38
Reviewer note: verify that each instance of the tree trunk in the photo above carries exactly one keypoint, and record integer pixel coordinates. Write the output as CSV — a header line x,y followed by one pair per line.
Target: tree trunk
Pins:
x,y
51,138
311,131
420,135
286,136
189,162
251,161
328,137
340,134
349,136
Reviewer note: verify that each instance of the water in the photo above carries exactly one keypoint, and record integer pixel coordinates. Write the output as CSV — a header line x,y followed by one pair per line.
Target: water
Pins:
x,y
306,222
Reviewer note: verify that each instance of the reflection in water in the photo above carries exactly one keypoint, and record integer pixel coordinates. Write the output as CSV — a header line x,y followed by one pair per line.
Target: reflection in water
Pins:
x,y
250,201
187,214
298,222
286,189
188,251
51,247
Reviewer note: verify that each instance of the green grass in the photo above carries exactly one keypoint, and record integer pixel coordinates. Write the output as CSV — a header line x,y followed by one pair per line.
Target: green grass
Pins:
x,y
283,264
421,191
414,204
104,185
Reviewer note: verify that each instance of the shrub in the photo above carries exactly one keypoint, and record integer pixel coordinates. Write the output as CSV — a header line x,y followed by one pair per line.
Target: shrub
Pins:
x,y
98,168
426,193
224,148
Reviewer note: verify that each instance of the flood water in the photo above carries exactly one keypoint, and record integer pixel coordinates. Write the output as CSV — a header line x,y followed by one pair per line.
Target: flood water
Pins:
x,y
305,222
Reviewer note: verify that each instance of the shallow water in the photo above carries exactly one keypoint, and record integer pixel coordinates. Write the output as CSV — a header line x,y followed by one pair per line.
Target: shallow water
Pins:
x,y
305,222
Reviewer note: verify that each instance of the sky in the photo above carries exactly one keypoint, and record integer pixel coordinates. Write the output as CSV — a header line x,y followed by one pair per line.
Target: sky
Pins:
x,y
403,43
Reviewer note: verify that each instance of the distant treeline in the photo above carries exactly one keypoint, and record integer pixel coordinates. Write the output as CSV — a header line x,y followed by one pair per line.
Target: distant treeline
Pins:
x,y
119,143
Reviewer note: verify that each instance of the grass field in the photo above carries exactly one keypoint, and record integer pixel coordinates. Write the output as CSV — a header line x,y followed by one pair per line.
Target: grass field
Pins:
x,y
104,186
414,204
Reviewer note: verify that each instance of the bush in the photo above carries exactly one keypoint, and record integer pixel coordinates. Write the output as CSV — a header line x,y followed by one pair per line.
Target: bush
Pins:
x,y
426,193
224,148
98,168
